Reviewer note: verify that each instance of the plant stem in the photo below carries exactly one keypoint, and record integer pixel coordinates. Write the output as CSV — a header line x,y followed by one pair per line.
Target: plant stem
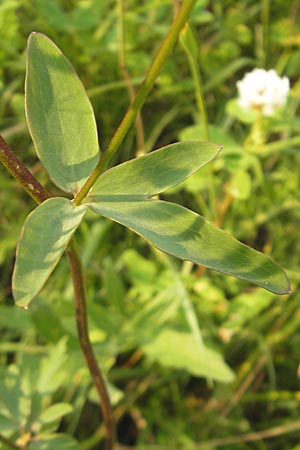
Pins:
x,y
31,185
18,170
139,128
154,70
279,430
265,18
189,44
82,329
39,194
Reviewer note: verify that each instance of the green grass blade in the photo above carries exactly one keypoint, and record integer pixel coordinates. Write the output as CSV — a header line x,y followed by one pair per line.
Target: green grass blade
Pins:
x,y
188,236
59,115
45,235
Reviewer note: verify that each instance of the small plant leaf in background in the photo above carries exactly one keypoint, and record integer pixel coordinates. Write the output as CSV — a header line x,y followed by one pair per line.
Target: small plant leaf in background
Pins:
x,y
179,350
154,173
44,237
232,152
59,115
54,441
188,236
240,185
55,412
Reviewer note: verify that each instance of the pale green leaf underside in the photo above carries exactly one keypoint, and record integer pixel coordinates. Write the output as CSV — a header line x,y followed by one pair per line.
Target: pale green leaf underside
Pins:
x,y
179,350
188,236
45,235
154,173
59,115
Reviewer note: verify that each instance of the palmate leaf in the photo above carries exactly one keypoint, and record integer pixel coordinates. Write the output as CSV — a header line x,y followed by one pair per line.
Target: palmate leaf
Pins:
x,y
156,172
45,235
59,115
188,236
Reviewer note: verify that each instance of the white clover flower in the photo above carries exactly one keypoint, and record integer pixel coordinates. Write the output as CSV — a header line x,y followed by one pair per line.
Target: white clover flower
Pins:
x,y
263,90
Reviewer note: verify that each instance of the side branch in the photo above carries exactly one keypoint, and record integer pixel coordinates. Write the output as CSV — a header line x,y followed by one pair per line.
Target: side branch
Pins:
x,y
17,169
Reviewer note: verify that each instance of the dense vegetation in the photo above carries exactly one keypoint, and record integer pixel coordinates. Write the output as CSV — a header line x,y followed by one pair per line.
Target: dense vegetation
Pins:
x,y
149,314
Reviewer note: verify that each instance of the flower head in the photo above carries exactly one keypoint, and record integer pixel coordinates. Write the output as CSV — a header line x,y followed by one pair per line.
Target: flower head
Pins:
x,y
263,90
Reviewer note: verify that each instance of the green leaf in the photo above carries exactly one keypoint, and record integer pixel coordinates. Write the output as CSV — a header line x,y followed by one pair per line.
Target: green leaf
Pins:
x,y
11,394
59,115
245,115
54,441
179,350
186,235
55,412
8,423
52,370
151,174
44,237
240,185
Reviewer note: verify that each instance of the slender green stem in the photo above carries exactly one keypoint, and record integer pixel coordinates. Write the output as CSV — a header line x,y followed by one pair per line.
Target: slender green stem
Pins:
x,y
104,88
268,433
199,96
273,147
18,170
189,44
8,443
82,329
190,47
154,70
265,18
139,128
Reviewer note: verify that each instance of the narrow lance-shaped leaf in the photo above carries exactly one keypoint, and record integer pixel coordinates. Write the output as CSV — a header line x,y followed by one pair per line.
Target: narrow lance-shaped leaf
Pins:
x,y
154,173
59,115
186,235
45,235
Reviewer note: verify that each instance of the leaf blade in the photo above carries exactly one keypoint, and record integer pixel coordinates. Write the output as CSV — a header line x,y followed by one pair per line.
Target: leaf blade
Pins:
x,y
188,236
44,237
55,412
155,172
178,349
59,115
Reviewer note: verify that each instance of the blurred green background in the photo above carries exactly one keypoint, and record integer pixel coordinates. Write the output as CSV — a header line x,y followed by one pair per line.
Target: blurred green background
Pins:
x,y
149,314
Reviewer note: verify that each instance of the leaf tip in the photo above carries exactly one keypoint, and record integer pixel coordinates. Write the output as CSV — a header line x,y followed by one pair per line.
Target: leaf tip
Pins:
x,y
22,303
32,35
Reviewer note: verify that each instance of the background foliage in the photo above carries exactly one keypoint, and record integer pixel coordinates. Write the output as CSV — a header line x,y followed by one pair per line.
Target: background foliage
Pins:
x,y
150,314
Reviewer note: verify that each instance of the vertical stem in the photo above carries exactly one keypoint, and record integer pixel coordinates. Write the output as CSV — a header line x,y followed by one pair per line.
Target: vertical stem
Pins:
x,y
17,169
83,334
139,128
190,47
189,44
265,14
155,68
